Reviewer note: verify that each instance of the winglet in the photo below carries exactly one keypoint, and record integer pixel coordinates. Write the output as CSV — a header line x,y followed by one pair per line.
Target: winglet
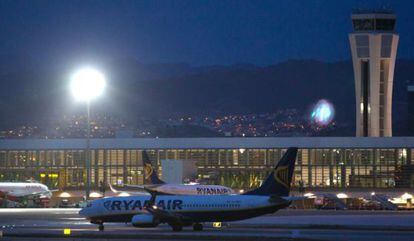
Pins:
x,y
112,188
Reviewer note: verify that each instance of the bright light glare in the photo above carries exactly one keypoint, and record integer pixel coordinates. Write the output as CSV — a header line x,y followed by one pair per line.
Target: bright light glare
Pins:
x,y
309,194
124,194
87,84
406,196
341,195
95,195
323,113
65,195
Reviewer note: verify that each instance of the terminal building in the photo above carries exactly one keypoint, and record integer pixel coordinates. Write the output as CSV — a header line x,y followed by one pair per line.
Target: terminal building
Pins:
x,y
323,163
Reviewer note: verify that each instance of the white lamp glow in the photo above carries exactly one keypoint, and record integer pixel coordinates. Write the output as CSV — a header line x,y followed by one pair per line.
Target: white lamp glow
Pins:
x,y
341,195
65,195
87,84
124,194
95,195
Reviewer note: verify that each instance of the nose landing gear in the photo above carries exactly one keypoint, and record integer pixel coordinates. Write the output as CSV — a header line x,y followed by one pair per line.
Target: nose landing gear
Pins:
x,y
101,227
177,227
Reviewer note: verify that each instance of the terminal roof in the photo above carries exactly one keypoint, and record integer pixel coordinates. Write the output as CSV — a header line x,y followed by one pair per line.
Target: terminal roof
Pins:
x,y
209,143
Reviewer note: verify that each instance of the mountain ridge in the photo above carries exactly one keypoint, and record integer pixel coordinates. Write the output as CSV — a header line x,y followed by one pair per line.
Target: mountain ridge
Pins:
x,y
137,89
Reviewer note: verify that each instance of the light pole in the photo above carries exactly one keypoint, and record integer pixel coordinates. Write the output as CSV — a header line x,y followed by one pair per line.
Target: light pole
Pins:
x,y
86,85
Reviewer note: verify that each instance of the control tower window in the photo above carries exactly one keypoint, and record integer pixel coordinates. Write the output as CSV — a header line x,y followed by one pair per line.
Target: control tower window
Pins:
x,y
374,24
385,24
363,24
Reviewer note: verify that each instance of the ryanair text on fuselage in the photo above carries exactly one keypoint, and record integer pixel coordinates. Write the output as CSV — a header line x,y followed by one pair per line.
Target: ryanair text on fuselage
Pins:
x,y
209,191
172,204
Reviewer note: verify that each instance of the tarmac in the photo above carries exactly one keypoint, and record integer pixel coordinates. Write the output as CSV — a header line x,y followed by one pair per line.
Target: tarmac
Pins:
x,y
49,224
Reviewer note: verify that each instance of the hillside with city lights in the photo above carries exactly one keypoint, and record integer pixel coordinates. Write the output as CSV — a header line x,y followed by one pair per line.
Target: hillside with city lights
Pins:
x,y
274,100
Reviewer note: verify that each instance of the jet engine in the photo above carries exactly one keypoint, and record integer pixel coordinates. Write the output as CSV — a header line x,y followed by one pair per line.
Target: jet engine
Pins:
x,y
144,220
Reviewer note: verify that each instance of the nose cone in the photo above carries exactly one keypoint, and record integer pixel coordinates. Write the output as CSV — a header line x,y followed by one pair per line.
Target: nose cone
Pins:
x,y
84,212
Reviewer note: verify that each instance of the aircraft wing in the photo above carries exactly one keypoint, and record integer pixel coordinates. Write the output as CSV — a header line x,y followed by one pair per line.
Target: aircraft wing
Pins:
x,y
149,189
140,192
165,215
135,186
36,194
142,187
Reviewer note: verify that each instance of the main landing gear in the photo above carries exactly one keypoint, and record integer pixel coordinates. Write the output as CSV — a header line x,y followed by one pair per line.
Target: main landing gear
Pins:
x,y
177,227
101,227
99,223
198,227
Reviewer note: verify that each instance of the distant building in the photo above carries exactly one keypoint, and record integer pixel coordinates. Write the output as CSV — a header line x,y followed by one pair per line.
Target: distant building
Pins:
x,y
177,171
410,112
374,48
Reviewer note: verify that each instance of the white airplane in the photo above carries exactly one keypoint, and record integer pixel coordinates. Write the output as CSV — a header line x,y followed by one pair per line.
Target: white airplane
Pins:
x,y
153,183
186,210
14,191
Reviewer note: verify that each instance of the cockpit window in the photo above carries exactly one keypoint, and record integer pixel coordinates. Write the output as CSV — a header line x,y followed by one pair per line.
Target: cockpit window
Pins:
x,y
89,204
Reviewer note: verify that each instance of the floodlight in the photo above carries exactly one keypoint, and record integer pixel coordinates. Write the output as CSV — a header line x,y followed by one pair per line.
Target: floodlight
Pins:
x,y
87,84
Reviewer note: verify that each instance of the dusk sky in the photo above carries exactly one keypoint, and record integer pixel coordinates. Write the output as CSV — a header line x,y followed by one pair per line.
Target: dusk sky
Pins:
x,y
193,32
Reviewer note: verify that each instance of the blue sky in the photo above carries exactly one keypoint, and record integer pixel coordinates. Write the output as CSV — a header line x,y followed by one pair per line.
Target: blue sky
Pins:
x,y
194,32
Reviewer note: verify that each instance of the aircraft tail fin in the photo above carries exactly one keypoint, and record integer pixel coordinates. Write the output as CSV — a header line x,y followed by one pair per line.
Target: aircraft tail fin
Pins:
x,y
150,175
279,180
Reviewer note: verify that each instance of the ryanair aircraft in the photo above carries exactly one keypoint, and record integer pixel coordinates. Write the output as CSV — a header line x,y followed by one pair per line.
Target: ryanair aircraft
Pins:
x,y
153,183
186,210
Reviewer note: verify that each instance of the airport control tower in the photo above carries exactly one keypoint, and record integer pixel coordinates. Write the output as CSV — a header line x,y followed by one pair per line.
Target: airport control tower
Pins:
x,y
374,48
